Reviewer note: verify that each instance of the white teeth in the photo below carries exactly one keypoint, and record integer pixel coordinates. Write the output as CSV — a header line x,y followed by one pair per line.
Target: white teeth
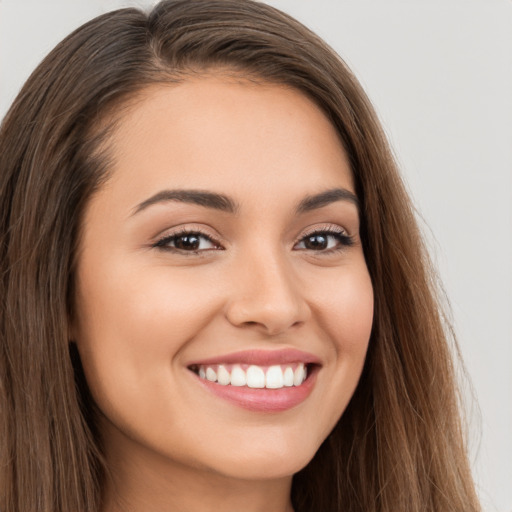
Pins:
x,y
299,375
275,377
288,377
238,377
223,376
255,377
211,375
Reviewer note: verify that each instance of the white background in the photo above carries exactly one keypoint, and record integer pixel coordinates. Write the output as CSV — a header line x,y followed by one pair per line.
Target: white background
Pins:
x,y
440,75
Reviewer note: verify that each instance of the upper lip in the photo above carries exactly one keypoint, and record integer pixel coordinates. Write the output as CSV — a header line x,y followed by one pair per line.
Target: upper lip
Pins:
x,y
260,357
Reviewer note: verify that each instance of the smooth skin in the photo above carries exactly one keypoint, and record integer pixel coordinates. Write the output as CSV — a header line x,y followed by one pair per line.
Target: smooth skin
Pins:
x,y
163,282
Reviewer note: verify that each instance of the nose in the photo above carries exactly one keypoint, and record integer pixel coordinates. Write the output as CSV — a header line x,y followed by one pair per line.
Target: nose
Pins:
x,y
266,296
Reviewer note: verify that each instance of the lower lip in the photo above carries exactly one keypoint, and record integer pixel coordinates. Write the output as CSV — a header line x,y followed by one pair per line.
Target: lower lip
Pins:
x,y
263,399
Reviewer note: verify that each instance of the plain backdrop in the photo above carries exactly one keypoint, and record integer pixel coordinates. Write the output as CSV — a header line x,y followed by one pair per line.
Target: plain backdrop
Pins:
x,y
440,75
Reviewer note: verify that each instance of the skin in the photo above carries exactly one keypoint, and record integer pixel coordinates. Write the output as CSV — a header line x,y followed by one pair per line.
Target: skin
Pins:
x,y
144,312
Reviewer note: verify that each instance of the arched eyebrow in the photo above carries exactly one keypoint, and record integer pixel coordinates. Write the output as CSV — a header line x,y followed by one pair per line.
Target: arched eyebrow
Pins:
x,y
224,203
198,197
325,198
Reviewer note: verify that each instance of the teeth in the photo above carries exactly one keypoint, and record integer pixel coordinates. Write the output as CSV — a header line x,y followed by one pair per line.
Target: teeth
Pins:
x,y
299,375
288,377
223,376
272,377
238,377
255,377
211,375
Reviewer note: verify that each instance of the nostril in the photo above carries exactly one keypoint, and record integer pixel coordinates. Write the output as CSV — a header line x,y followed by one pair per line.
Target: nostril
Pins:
x,y
272,305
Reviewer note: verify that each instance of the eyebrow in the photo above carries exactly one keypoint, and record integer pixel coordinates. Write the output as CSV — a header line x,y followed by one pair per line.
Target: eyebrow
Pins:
x,y
198,197
325,198
224,203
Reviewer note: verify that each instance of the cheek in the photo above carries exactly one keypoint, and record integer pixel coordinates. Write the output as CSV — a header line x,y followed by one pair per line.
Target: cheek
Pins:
x,y
345,316
345,310
133,320
134,306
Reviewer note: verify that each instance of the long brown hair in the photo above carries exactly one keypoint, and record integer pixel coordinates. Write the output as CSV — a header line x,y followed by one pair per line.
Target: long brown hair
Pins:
x,y
399,446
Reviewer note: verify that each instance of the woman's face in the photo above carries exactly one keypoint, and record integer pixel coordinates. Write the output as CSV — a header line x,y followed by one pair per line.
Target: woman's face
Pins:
x,y
223,255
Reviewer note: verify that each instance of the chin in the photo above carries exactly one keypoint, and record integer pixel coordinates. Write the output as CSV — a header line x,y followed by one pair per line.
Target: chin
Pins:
x,y
269,462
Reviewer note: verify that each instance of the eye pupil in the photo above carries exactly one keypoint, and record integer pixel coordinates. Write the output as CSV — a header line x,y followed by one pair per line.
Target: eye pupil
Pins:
x,y
316,242
187,242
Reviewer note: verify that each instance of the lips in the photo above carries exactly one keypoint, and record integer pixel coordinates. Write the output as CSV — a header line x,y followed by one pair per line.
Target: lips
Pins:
x,y
261,358
257,380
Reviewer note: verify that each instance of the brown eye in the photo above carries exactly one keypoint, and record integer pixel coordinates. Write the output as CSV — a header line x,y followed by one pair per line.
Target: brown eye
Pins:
x,y
324,241
316,242
187,242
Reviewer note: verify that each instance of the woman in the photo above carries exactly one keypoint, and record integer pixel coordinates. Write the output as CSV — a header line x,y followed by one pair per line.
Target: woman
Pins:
x,y
214,292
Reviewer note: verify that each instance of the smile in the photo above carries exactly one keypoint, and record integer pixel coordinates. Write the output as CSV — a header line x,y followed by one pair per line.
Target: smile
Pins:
x,y
253,376
259,380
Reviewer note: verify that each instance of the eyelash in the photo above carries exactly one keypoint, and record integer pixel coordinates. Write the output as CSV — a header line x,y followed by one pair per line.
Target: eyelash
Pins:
x,y
343,240
164,242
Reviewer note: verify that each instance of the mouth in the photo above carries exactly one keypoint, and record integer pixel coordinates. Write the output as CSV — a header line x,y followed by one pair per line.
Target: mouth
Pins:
x,y
260,381
254,376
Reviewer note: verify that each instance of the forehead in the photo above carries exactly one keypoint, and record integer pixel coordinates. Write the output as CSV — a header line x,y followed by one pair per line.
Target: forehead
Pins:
x,y
219,132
